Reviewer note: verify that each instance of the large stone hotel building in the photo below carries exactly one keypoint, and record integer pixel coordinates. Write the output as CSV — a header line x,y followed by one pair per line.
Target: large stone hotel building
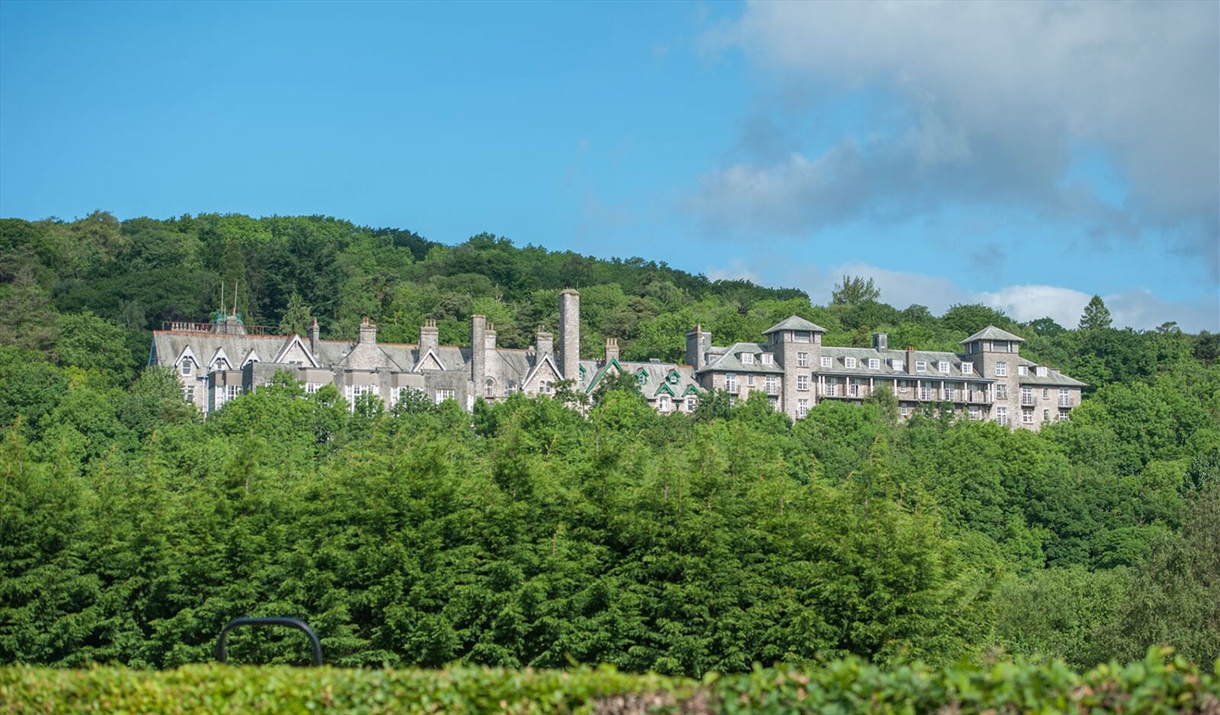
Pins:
x,y
987,380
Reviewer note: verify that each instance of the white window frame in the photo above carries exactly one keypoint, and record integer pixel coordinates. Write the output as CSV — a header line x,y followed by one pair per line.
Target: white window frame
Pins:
x,y
1065,397
802,383
691,403
747,358
768,359
874,364
1001,369
771,384
663,403
802,407
967,368
187,367
898,365
1022,371
921,366
443,394
827,362
1001,416
943,366
849,362
1001,391
730,382
1027,415
188,392
802,359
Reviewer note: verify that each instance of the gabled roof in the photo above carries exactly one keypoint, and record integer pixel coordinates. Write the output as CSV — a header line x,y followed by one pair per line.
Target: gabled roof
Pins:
x,y
185,353
794,322
250,357
546,361
294,340
420,364
991,332
729,360
217,357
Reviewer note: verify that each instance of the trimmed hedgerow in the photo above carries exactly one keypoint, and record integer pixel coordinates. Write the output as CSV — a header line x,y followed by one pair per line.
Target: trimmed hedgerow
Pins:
x,y
1160,683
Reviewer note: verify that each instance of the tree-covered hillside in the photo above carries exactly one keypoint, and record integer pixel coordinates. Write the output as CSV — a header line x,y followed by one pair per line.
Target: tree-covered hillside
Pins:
x,y
526,534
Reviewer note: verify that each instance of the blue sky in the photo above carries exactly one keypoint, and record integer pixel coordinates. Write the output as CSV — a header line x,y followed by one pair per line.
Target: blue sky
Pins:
x,y
1023,155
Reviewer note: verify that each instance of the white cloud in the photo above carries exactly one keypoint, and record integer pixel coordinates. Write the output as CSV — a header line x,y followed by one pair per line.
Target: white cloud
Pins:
x,y
996,95
736,270
1138,308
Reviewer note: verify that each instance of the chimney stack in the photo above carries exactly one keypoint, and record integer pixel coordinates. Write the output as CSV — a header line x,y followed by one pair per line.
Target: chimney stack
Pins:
x,y
910,360
545,342
569,334
611,349
314,336
429,337
478,351
698,343
881,342
368,332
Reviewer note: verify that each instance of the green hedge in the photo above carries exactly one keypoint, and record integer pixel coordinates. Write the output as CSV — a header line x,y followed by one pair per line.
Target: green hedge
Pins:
x,y
1158,684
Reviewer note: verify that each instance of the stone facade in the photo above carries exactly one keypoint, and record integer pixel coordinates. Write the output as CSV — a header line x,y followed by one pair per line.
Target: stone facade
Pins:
x,y
988,380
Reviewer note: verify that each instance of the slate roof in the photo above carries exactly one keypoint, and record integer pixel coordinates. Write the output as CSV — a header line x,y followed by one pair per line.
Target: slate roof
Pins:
x,y
991,332
728,359
794,322
1053,378
886,367
656,380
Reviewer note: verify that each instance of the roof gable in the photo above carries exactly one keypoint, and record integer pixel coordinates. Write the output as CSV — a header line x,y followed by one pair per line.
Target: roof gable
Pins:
x,y
294,350
429,361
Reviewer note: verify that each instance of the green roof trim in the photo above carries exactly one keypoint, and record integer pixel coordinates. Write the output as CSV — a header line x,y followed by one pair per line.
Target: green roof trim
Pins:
x,y
601,373
664,388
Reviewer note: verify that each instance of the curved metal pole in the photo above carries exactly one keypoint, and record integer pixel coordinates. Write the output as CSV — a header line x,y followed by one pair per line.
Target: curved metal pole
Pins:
x,y
316,644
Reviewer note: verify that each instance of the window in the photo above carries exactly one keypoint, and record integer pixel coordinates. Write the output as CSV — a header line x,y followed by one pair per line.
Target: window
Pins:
x,y
312,387
188,392
800,337
771,384
1001,416
747,359
1063,415
1001,392
187,367
905,410
802,359
769,359
664,404
1027,416
1065,397
973,412
925,392
544,387
827,362
489,387
1001,369
749,381
691,403
849,362
231,392
874,364
673,378
1046,393
898,365
355,392
802,407
921,366
730,381
1022,371
1000,346
1046,415
904,385
442,395
802,383
943,366
1027,396
967,368
948,390
1041,371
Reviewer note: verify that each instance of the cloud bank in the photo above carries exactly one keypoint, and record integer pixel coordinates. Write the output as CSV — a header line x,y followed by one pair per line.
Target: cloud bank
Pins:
x,y
998,101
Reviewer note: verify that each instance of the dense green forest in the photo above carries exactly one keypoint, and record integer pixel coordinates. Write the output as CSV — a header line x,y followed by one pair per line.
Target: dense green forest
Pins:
x,y
131,530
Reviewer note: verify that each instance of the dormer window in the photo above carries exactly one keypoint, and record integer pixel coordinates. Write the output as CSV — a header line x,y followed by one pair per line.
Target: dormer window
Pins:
x,y
943,366
849,362
747,358
1041,371
768,359
898,364
921,366
827,362
1022,370
874,364
967,368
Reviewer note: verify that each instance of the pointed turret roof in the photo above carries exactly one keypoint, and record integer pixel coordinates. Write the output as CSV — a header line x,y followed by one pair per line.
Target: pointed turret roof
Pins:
x,y
991,332
793,322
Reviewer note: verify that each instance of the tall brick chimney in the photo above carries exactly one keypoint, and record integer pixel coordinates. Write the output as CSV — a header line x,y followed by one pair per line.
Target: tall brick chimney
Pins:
x,y
569,334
